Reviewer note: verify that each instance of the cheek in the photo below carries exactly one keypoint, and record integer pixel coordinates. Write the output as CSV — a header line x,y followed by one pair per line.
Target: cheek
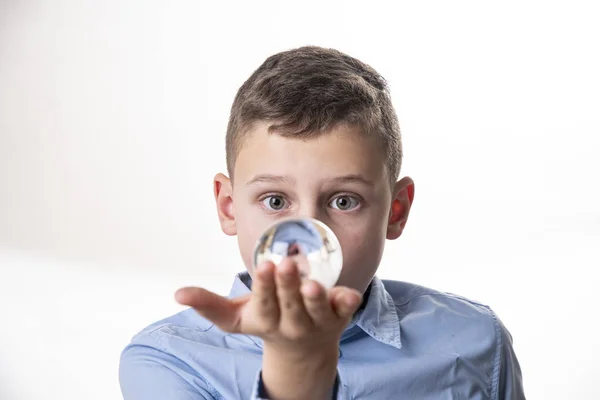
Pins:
x,y
364,237
362,247
250,225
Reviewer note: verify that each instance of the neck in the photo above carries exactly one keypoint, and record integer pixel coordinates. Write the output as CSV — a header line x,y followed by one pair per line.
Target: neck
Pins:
x,y
365,298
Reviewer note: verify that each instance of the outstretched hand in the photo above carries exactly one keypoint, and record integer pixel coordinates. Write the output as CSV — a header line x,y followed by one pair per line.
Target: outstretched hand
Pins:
x,y
282,308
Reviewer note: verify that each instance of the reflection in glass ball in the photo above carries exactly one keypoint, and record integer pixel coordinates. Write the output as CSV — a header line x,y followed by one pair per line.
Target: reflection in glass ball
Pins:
x,y
313,246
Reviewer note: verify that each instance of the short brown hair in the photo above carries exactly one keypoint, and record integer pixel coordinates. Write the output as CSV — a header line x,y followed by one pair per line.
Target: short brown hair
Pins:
x,y
308,90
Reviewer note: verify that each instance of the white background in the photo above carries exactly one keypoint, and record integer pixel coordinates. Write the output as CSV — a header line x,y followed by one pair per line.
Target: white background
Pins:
x,y
112,123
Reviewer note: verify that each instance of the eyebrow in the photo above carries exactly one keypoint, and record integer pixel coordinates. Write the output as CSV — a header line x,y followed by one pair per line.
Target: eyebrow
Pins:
x,y
352,178
268,178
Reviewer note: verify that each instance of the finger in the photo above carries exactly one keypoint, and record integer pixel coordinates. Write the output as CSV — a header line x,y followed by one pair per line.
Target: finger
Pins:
x,y
223,312
265,308
316,303
345,301
294,318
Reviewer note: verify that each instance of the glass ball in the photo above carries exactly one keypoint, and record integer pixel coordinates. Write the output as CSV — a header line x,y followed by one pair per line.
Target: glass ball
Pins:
x,y
309,242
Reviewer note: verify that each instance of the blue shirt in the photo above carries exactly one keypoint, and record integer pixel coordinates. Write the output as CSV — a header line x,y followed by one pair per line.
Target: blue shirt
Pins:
x,y
408,342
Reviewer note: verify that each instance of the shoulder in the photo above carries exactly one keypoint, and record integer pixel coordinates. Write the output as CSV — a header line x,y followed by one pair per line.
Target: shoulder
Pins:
x,y
171,349
459,329
185,324
447,322
169,342
408,296
187,352
463,334
159,360
187,318
187,337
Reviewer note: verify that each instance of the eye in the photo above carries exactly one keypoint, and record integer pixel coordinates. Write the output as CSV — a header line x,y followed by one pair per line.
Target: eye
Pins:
x,y
344,203
274,203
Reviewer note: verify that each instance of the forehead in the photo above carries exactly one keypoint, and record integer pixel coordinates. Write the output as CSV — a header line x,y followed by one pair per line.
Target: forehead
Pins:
x,y
344,150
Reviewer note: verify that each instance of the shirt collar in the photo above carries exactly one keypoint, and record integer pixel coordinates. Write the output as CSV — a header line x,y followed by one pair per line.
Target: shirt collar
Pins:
x,y
378,319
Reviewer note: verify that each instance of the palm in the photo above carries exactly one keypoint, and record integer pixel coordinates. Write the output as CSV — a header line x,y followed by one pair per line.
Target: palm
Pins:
x,y
277,308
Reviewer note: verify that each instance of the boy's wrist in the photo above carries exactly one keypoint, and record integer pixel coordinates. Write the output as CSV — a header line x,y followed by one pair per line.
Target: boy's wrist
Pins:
x,y
290,373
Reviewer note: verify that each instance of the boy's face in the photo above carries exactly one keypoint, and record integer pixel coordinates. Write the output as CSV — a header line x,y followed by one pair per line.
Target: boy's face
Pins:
x,y
339,178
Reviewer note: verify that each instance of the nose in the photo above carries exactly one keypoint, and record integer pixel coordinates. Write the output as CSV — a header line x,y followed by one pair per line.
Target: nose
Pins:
x,y
310,211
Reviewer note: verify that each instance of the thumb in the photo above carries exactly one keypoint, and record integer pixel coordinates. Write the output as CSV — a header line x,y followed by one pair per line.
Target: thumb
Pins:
x,y
223,312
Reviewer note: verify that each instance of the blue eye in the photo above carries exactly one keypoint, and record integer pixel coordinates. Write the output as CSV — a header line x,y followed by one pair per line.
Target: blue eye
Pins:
x,y
344,203
274,203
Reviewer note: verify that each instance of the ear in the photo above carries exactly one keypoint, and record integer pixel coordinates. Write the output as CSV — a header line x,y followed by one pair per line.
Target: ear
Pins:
x,y
403,196
223,191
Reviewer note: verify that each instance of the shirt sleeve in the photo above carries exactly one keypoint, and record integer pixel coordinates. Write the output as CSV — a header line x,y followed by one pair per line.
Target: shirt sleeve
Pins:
x,y
510,381
259,392
146,373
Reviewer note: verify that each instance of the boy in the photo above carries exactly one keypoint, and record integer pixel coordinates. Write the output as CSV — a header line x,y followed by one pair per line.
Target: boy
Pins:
x,y
313,133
